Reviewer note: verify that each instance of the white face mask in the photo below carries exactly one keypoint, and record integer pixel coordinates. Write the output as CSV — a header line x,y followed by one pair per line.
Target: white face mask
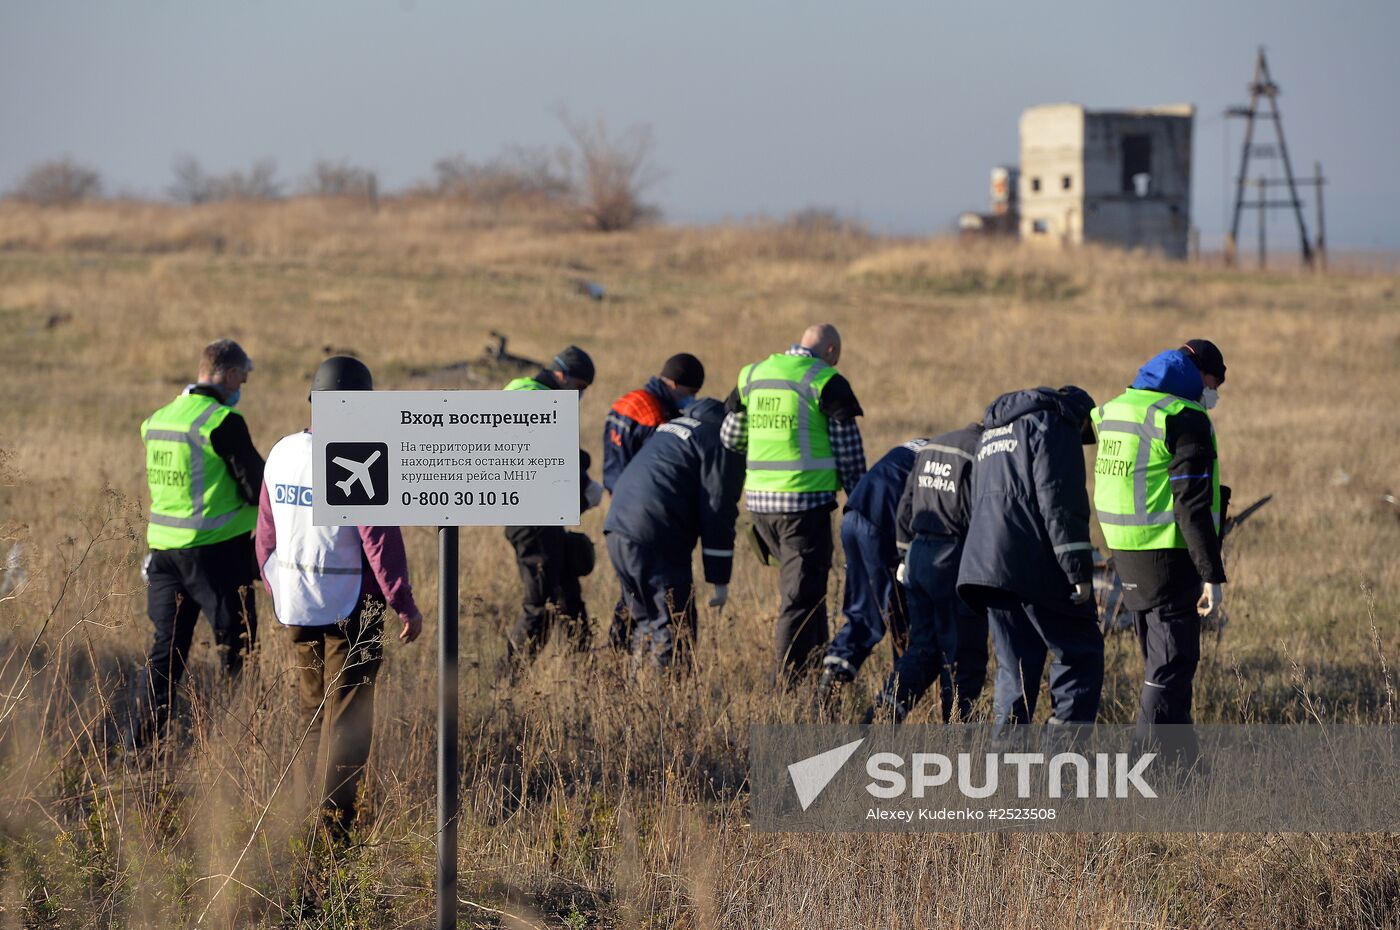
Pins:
x,y
1209,398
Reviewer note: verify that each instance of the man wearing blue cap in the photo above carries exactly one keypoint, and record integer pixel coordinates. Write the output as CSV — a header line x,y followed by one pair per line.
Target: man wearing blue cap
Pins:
x,y
1161,505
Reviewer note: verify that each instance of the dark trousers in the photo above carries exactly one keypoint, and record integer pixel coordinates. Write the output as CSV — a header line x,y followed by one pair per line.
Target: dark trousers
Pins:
x,y
552,593
336,669
947,639
1170,638
659,593
802,544
1024,635
871,597
215,580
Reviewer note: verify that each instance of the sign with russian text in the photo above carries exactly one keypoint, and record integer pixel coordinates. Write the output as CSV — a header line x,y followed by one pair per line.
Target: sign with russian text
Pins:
x,y
445,458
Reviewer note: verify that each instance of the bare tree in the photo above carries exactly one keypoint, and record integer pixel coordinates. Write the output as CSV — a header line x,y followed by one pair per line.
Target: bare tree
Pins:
x,y
613,171
452,176
260,183
826,221
517,174
340,179
58,182
191,185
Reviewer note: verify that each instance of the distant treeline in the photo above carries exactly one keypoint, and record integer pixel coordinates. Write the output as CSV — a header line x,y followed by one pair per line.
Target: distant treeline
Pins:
x,y
602,175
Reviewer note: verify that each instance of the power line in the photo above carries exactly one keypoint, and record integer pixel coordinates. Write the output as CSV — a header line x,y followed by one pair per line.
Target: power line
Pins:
x,y
1263,91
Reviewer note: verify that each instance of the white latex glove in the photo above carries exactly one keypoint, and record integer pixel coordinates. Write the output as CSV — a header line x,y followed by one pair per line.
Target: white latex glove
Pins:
x,y
593,494
720,596
901,574
1083,593
1212,596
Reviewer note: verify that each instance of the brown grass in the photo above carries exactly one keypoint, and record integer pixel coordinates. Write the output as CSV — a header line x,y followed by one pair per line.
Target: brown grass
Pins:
x,y
589,802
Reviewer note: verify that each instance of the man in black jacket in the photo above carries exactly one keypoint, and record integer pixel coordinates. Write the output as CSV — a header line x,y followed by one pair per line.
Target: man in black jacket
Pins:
x,y
1168,556
682,488
630,422
203,560
550,578
947,639
1028,560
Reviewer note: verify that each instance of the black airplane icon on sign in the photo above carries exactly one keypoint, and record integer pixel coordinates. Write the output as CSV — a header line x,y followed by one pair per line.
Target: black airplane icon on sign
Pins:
x,y
357,473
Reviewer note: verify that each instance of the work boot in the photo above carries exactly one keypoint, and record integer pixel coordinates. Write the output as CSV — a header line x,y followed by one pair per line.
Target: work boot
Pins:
x,y
884,710
620,629
836,674
510,668
339,826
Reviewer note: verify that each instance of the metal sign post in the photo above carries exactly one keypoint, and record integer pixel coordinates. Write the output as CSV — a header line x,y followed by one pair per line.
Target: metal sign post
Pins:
x,y
445,459
447,809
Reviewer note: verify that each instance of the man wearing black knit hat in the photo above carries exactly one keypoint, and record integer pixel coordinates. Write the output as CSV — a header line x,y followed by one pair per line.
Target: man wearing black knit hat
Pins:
x,y
549,568
636,415
1161,505
631,421
682,489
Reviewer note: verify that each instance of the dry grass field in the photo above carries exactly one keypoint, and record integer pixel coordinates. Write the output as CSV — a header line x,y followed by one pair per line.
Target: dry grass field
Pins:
x,y
589,801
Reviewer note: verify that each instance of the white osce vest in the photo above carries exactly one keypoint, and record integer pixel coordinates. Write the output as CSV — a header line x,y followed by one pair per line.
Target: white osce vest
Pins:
x,y
315,571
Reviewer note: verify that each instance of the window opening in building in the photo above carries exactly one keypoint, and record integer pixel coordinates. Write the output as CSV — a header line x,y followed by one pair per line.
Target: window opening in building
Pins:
x,y
1136,152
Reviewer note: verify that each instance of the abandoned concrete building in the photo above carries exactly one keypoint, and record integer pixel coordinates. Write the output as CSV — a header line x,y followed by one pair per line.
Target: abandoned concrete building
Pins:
x,y
1120,177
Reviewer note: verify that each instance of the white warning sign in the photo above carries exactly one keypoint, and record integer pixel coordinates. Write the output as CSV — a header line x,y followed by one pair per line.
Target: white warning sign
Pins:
x,y
445,458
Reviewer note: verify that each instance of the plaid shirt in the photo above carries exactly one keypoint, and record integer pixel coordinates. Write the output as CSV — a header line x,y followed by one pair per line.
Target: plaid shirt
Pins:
x,y
846,447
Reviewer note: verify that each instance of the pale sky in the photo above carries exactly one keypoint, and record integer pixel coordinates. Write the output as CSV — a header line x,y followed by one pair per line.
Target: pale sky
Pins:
x,y
892,112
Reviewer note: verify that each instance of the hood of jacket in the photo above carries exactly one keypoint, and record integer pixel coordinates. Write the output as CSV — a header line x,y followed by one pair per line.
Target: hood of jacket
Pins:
x,y
1171,372
658,389
706,410
1070,402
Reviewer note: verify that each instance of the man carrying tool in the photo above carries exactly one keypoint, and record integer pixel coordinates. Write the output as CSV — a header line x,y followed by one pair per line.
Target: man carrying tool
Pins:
x,y
330,586
871,593
794,418
1159,500
204,475
631,421
1028,560
682,488
542,553
947,639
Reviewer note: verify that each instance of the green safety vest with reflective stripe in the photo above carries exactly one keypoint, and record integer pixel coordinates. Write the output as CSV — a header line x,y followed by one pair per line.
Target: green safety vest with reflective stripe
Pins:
x,y
525,384
1132,490
194,499
789,440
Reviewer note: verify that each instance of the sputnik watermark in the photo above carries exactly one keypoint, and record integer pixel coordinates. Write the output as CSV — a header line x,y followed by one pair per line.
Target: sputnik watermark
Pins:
x,y
1106,775
1173,779
811,776
1115,775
